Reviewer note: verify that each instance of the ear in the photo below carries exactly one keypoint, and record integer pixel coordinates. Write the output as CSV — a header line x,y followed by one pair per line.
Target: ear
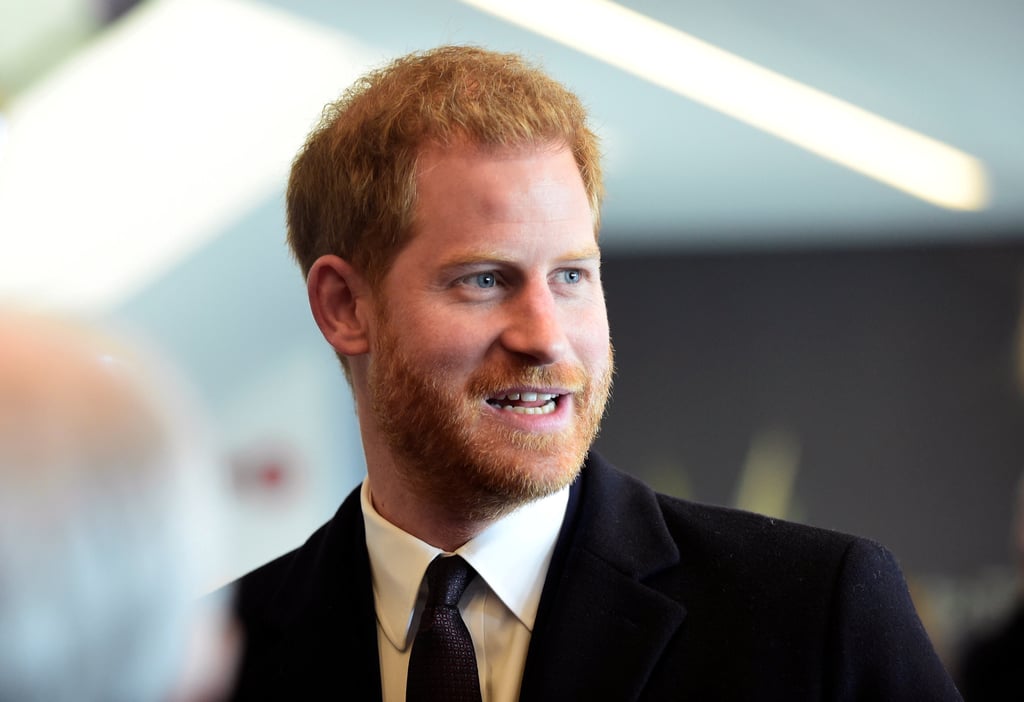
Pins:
x,y
339,299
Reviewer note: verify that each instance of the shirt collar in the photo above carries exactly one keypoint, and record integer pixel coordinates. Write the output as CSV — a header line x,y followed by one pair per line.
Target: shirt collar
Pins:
x,y
511,556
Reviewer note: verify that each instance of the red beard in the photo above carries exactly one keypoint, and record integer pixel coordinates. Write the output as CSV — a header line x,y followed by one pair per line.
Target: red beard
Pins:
x,y
455,453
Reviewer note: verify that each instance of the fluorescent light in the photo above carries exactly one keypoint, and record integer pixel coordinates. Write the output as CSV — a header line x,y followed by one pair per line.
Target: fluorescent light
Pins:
x,y
809,118
164,131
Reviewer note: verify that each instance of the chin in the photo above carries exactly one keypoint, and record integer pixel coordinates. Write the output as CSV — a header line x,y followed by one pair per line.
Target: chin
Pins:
x,y
502,480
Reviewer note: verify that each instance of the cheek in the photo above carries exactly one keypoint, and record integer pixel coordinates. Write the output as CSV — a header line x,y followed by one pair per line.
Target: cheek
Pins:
x,y
591,337
449,343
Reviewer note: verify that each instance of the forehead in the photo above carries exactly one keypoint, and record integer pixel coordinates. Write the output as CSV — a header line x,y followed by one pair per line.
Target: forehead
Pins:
x,y
529,184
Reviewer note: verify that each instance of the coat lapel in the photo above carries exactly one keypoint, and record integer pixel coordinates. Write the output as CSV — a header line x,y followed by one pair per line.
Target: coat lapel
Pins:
x,y
601,627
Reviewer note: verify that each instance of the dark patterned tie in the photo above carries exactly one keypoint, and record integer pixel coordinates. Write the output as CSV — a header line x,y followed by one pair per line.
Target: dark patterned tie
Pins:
x,y
442,665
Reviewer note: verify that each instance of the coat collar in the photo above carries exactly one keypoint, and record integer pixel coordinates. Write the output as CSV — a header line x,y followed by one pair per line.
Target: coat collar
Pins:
x,y
602,627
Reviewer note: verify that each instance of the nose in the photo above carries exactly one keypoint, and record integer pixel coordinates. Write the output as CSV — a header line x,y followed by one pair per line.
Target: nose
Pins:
x,y
535,327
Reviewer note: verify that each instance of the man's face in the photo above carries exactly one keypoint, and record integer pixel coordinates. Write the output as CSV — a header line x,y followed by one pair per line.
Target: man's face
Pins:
x,y
491,363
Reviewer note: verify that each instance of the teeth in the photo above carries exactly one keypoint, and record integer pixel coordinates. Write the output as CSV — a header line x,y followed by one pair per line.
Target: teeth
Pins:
x,y
548,398
527,396
547,408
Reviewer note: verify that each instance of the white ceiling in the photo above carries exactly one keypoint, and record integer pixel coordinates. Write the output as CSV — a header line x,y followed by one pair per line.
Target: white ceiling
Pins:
x,y
681,174
180,119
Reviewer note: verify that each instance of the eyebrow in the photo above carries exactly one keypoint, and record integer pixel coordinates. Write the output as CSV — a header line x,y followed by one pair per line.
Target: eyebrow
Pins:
x,y
590,253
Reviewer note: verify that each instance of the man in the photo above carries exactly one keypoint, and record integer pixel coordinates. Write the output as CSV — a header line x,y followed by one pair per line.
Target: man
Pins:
x,y
445,214
101,528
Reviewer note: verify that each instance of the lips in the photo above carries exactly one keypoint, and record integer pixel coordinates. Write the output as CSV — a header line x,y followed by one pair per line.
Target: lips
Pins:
x,y
528,402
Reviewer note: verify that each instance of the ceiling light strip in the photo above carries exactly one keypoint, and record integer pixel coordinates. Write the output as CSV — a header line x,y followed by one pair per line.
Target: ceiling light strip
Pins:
x,y
221,92
811,119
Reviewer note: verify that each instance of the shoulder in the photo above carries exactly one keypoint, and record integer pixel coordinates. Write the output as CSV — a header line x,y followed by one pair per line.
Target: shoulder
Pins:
x,y
731,557
294,629
618,506
275,592
270,581
764,597
762,543
788,565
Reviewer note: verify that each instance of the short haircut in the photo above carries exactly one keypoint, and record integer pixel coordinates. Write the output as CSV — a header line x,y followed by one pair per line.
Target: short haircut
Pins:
x,y
352,191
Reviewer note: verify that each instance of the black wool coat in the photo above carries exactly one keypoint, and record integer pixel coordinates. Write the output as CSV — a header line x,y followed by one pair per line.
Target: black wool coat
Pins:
x,y
648,597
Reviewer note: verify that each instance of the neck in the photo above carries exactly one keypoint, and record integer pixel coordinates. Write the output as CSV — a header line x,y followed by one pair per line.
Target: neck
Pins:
x,y
434,524
442,518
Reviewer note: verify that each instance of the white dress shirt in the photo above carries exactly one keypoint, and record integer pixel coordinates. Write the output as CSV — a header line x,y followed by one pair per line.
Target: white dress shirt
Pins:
x,y
511,558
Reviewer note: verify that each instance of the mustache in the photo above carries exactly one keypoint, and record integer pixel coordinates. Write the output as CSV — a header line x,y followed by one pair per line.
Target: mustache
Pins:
x,y
569,377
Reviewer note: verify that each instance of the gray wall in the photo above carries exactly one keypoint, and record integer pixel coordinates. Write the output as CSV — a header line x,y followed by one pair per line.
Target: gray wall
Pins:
x,y
888,373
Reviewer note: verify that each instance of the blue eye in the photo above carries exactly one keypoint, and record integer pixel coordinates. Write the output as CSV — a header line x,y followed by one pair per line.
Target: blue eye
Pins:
x,y
572,275
485,280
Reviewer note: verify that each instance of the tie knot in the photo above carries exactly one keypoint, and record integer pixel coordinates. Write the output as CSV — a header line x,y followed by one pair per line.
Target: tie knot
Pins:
x,y
447,578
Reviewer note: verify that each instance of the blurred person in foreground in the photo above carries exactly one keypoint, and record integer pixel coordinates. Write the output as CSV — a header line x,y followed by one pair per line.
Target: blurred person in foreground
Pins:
x,y
106,530
446,216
